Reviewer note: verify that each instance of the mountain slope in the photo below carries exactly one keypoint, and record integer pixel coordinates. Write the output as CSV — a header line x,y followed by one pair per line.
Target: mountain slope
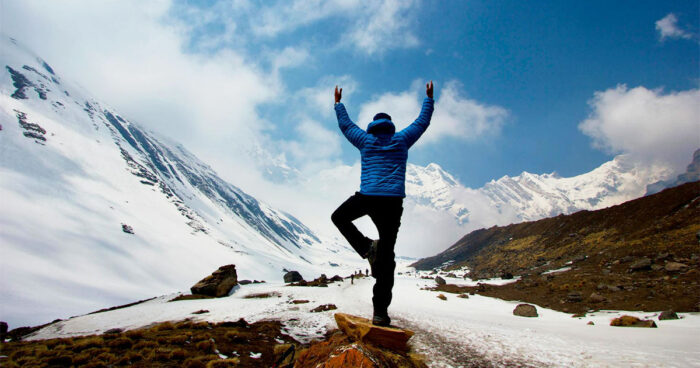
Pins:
x,y
98,211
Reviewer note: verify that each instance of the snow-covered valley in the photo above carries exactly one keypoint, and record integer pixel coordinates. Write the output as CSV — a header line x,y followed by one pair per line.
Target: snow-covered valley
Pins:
x,y
451,333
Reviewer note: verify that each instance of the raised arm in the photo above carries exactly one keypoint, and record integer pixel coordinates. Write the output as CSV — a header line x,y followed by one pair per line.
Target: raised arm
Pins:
x,y
412,132
352,132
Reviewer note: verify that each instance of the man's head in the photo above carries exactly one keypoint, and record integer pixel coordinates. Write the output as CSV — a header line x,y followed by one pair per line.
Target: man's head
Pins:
x,y
381,124
382,115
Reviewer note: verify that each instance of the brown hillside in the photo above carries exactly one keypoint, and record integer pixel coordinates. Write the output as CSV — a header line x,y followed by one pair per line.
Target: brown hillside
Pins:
x,y
628,254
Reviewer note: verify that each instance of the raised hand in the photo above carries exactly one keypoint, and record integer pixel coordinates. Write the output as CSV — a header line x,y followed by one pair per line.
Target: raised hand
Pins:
x,y
428,90
338,94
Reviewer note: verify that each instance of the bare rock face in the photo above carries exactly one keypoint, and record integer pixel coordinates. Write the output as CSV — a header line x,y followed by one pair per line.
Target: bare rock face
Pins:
x,y
362,329
525,310
630,321
217,284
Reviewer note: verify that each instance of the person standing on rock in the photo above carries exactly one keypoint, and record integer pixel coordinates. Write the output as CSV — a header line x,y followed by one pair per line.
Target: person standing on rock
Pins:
x,y
382,188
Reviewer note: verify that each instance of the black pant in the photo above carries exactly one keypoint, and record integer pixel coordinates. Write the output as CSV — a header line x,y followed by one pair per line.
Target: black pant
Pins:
x,y
385,212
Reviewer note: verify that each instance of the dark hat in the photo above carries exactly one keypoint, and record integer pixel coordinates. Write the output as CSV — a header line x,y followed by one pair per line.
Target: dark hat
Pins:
x,y
382,115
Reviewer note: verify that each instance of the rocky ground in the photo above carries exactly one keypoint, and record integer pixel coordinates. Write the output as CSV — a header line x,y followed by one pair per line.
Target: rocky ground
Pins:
x,y
641,255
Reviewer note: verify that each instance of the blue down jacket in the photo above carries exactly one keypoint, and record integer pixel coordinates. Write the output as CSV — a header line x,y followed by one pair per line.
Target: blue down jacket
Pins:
x,y
384,152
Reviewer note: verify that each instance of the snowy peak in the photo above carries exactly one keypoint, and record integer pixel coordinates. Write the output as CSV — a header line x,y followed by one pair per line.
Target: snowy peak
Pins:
x,y
434,187
529,196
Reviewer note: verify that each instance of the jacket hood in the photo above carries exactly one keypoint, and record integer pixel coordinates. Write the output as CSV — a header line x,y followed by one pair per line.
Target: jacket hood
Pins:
x,y
381,126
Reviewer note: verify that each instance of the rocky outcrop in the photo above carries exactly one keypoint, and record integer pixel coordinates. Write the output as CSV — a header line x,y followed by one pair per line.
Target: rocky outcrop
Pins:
x,y
292,276
342,351
362,329
218,284
525,310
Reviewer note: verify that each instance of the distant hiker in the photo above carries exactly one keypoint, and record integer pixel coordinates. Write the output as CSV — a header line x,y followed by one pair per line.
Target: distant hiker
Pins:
x,y
366,272
352,278
382,189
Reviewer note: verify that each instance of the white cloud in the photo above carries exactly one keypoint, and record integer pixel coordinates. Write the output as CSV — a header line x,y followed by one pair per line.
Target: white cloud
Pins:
x,y
369,27
668,28
384,25
455,115
652,126
321,97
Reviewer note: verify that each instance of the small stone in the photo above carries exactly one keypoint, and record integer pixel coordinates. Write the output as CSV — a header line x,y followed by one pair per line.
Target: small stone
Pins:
x,y
669,314
661,257
578,315
439,280
675,267
626,259
113,331
590,323
244,282
574,297
525,310
656,267
463,296
451,274
201,311
630,321
299,301
596,298
442,296
641,264
324,307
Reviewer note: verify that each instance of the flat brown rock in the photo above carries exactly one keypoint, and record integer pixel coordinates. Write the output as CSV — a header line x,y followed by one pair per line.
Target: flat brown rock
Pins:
x,y
362,329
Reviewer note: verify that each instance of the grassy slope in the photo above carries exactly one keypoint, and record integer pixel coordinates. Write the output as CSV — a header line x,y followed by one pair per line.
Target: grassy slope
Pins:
x,y
603,245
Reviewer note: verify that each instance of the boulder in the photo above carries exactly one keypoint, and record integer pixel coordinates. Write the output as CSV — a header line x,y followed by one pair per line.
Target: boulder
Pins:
x,y
669,314
442,296
362,329
292,276
675,267
630,321
218,284
525,310
463,296
244,282
451,274
641,264
439,280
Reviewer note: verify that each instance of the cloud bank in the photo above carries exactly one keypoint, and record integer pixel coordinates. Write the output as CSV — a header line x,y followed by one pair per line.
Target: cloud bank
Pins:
x,y
651,126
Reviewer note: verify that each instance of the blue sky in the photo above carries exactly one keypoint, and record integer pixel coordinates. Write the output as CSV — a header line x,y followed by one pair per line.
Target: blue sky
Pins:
x,y
540,63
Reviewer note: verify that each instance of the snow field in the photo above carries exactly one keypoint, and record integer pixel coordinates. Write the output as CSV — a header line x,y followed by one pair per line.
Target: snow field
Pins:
x,y
481,324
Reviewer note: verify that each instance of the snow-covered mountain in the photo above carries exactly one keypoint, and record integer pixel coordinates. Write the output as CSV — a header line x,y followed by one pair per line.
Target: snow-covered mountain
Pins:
x,y
528,197
97,211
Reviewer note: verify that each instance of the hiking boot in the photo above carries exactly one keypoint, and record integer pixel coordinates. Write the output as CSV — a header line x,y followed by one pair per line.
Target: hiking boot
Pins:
x,y
381,320
372,255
